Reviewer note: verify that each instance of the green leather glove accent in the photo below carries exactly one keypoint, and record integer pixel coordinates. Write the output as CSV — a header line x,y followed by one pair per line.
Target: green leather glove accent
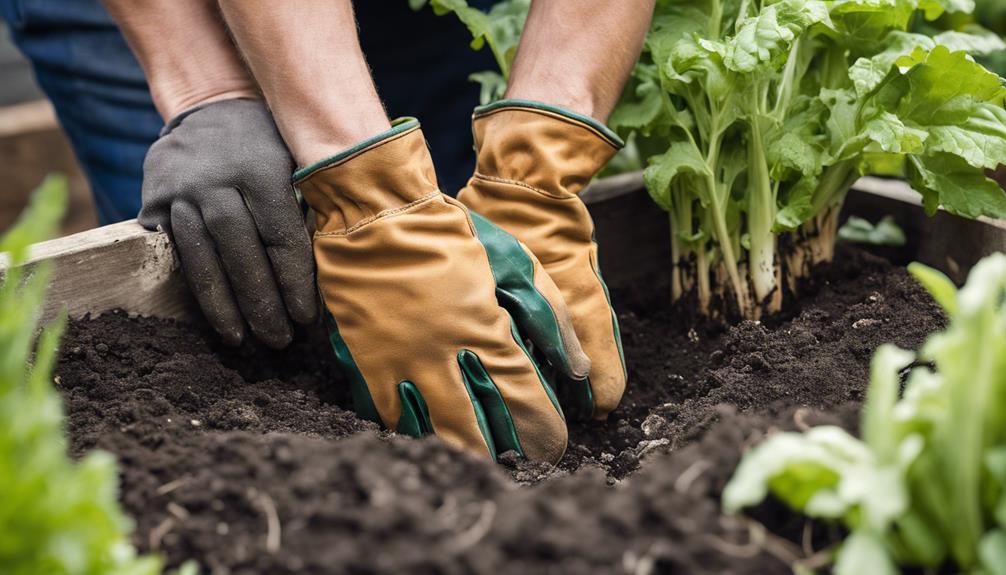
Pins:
x,y
535,320
533,160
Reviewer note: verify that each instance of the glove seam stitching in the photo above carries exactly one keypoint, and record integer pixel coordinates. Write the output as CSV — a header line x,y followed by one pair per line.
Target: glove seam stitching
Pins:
x,y
497,180
380,215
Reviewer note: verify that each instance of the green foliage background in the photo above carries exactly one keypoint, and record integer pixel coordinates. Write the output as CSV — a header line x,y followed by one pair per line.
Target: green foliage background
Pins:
x,y
57,516
926,484
754,117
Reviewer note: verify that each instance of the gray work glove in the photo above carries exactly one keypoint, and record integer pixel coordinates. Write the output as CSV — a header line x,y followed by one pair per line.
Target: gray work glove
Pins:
x,y
218,182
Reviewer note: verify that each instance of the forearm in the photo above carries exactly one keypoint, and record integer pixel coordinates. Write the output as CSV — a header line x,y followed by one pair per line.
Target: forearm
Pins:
x,y
184,50
579,53
308,62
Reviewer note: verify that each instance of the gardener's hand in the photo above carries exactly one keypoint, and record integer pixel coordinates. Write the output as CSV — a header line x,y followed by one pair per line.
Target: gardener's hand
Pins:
x,y
218,181
532,161
429,307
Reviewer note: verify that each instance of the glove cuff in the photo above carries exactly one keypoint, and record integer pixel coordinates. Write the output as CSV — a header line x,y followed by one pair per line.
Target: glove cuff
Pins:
x,y
230,102
539,145
377,177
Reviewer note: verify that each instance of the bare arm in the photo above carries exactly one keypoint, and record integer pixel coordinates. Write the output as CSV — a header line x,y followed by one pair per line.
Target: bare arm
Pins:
x,y
219,181
184,50
578,53
307,59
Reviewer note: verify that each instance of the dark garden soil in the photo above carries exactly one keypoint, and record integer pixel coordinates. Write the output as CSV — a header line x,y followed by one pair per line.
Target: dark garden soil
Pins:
x,y
247,461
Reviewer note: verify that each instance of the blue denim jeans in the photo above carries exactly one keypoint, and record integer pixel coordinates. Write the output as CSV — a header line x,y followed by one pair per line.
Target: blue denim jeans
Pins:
x,y
421,64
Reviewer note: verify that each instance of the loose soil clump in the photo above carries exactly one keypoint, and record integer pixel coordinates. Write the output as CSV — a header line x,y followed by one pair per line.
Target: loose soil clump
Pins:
x,y
248,461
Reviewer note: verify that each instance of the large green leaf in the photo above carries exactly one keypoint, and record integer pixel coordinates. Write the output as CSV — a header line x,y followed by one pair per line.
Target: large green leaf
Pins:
x,y
764,39
993,552
805,470
868,73
937,284
680,158
979,139
864,552
796,206
947,180
862,25
972,39
645,109
956,100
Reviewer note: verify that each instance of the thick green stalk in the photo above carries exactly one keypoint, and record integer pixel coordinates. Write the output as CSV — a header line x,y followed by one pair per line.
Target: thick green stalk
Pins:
x,y
789,82
719,216
715,18
761,215
834,183
965,441
676,288
834,68
726,246
702,265
681,223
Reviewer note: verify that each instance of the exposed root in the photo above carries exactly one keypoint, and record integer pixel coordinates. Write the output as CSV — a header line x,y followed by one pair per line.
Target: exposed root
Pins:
x,y
797,254
815,562
807,538
172,485
684,481
645,564
178,511
157,533
800,418
760,540
274,531
478,530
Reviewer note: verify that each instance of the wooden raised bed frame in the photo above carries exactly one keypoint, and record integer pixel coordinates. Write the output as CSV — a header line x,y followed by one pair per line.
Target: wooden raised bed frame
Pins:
x,y
126,267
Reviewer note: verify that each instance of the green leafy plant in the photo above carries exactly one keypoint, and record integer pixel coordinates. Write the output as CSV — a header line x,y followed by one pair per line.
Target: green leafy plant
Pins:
x,y
990,14
885,233
500,29
755,117
57,516
758,116
926,484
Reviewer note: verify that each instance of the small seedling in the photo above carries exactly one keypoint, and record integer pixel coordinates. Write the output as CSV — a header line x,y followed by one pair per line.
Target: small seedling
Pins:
x,y
926,483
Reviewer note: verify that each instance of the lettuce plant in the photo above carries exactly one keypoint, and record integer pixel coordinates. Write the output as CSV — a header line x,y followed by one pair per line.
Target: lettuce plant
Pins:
x,y
755,117
758,116
57,516
926,484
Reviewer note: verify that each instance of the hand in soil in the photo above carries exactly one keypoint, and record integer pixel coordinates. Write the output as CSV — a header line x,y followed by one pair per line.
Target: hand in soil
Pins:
x,y
412,299
218,181
531,193
245,460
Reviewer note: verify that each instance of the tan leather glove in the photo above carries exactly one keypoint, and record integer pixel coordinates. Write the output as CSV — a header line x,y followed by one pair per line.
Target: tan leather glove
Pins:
x,y
420,297
533,160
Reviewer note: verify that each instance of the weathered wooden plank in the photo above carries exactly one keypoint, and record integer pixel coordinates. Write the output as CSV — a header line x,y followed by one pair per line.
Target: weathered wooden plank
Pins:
x,y
947,242
118,266
124,266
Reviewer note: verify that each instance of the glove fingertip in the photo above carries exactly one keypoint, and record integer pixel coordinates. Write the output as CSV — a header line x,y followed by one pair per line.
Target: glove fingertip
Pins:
x,y
231,337
303,311
276,338
579,363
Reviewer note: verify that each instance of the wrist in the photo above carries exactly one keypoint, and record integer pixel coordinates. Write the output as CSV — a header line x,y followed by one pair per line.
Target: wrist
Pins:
x,y
556,92
307,58
311,140
172,99
186,55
